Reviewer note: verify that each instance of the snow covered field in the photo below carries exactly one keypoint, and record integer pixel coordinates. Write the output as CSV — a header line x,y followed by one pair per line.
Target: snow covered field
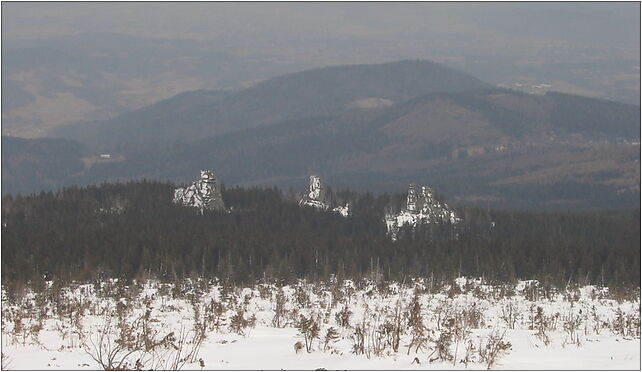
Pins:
x,y
420,325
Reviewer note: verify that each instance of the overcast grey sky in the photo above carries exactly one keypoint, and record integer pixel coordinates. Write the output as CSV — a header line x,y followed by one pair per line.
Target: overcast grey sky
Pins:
x,y
588,24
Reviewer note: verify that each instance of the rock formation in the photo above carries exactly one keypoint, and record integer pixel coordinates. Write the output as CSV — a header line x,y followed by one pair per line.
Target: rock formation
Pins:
x,y
202,194
423,208
342,210
315,197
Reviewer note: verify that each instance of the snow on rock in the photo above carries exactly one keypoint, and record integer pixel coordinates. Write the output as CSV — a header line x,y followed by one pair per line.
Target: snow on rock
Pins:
x,y
315,197
202,194
343,210
420,209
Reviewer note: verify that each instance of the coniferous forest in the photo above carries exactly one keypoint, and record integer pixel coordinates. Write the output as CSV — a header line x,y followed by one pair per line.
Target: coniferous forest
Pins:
x,y
134,230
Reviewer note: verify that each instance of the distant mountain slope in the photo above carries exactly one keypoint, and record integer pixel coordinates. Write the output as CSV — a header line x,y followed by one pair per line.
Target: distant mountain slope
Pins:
x,y
312,93
491,146
159,122
31,165
379,127
589,115
495,113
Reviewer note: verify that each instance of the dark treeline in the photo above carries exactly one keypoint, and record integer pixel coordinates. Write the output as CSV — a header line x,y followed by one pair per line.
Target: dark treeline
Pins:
x,y
134,231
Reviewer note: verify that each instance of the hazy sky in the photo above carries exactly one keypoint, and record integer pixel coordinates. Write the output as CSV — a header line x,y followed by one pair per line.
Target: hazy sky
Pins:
x,y
590,24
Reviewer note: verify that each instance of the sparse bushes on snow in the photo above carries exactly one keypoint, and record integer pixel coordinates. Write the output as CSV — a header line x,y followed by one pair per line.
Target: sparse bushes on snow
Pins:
x,y
492,348
142,325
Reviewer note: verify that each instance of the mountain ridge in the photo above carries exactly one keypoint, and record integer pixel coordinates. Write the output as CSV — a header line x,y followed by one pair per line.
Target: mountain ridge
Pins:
x,y
486,145
311,93
375,149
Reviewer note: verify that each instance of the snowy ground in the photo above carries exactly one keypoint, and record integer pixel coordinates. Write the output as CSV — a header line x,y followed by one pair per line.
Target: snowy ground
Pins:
x,y
462,325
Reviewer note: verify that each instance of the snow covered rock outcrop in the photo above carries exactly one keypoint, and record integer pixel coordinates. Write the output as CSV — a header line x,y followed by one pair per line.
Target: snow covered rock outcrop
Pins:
x,y
423,208
342,210
315,197
202,194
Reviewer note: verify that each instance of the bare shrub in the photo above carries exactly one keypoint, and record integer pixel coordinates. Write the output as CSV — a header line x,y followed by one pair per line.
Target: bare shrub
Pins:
x,y
444,312
571,325
331,336
472,317
343,317
626,325
453,290
16,316
337,293
530,291
493,348
397,326
136,350
442,348
215,314
358,339
309,329
265,291
238,323
184,350
378,337
418,334
541,323
509,314
109,354
301,295
200,326
598,323
279,309
6,362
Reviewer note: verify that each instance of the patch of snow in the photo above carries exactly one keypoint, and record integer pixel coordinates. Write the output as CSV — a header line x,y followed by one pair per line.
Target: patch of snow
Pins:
x,y
343,210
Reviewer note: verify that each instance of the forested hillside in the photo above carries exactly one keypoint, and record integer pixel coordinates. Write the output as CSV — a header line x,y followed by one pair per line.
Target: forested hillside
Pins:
x,y
133,230
29,165
371,127
494,146
318,92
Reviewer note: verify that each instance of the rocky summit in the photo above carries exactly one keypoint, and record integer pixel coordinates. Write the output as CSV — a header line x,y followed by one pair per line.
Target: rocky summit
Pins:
x,y
315,197
422,208
202,194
